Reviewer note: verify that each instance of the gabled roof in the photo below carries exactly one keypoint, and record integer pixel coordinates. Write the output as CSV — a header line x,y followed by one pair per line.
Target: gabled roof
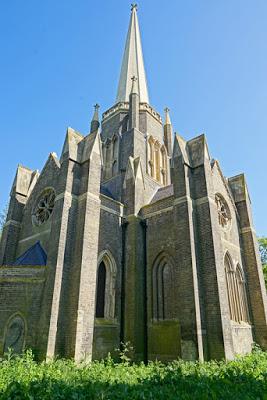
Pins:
x,y
35,255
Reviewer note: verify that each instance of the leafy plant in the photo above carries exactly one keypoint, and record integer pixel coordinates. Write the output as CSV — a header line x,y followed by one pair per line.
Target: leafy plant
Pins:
x,y
3,216
263,252
243,378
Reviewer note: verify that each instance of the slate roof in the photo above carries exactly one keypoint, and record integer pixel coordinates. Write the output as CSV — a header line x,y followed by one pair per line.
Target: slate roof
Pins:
x,y
106,192
162,193
35,255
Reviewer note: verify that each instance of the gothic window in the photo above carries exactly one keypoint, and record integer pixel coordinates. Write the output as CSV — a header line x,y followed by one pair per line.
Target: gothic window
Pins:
x,y
15,334
236,290
157,165
163,288
151,157
44,207
163,165
242,292
157,162
101,286
115,147
105,286
224,215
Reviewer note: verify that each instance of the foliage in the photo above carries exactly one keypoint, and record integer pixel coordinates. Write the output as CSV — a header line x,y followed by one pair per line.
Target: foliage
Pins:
x,y
3,215
263,252
244,378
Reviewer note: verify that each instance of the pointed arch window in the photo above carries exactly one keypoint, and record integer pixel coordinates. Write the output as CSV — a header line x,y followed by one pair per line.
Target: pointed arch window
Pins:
x,y
105,287
15,334
101,286
236,291
163,288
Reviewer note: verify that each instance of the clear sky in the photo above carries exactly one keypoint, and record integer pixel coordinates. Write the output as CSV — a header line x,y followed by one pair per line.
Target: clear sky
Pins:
x,y
206,60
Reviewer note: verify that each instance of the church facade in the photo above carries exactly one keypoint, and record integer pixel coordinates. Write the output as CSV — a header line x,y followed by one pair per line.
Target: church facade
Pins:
x,y
132,235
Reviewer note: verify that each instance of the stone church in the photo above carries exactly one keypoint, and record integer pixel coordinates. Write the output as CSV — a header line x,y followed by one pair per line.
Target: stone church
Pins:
x,y
132,235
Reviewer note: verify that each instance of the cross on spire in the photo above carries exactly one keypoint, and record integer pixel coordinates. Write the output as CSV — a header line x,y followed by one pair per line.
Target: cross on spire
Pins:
x,y
134,6
167,116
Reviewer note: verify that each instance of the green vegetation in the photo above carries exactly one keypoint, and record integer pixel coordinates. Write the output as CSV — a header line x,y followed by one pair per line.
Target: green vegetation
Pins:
x,y
23,378
3,215
263,251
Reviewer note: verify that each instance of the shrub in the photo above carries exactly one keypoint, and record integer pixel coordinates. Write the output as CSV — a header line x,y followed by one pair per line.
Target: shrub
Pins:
x,y
244,378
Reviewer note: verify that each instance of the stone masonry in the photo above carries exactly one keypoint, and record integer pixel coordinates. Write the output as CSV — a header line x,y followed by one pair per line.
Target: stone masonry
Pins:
x,y
133,234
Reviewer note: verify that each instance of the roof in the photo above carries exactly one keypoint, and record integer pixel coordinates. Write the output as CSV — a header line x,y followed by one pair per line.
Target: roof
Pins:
x,y
162,193
35,255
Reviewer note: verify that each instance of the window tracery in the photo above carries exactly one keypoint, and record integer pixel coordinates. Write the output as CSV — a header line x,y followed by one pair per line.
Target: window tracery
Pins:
x,y
224,215
236,290
44,207
157,161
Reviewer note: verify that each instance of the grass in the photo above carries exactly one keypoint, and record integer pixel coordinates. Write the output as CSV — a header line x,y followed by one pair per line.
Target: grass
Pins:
x,y
244,378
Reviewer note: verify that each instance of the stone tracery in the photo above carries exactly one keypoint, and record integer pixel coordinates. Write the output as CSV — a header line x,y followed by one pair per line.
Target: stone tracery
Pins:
x,y
223,211
44,207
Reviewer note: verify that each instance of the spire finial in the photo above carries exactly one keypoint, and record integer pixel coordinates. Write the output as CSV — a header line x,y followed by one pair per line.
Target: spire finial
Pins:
x,y
167,116
95,120
134,6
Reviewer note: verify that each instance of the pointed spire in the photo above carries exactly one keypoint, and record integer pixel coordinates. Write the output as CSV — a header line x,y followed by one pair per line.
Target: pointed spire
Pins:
x,y
95,120
132,63
167,116
168,131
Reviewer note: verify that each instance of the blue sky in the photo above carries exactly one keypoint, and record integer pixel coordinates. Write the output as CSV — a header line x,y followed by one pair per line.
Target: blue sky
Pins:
x,y
205,60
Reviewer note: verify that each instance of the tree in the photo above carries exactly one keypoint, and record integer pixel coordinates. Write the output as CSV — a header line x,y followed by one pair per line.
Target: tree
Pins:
x,y
3,215
263,252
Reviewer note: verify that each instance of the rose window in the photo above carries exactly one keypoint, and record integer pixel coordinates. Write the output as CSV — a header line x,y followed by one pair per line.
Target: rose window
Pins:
x,y
44,207
223,211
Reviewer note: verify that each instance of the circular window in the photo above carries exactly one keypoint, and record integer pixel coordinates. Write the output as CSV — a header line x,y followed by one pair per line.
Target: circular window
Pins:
x,y
44,207
224,215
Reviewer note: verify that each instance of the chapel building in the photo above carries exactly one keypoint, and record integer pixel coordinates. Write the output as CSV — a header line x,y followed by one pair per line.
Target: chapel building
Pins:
x,y
132,235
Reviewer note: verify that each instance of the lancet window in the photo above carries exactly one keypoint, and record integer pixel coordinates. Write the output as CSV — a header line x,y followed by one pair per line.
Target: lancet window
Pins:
x,y
157,165
236,290
15,334
105,287
163,288
110,157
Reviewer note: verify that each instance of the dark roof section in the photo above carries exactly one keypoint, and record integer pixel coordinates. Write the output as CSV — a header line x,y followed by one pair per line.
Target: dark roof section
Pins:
x,y
35,255
162,193
106,192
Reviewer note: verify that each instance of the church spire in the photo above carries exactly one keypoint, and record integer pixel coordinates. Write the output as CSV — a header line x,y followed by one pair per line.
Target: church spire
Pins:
x,y
132,63
95,120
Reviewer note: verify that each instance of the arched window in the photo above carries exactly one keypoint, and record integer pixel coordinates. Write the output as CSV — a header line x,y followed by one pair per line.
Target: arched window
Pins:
x,y
151,169
241,286
15,334
157,161
236,290
115,147
163,288
163,168
101,287
106,281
